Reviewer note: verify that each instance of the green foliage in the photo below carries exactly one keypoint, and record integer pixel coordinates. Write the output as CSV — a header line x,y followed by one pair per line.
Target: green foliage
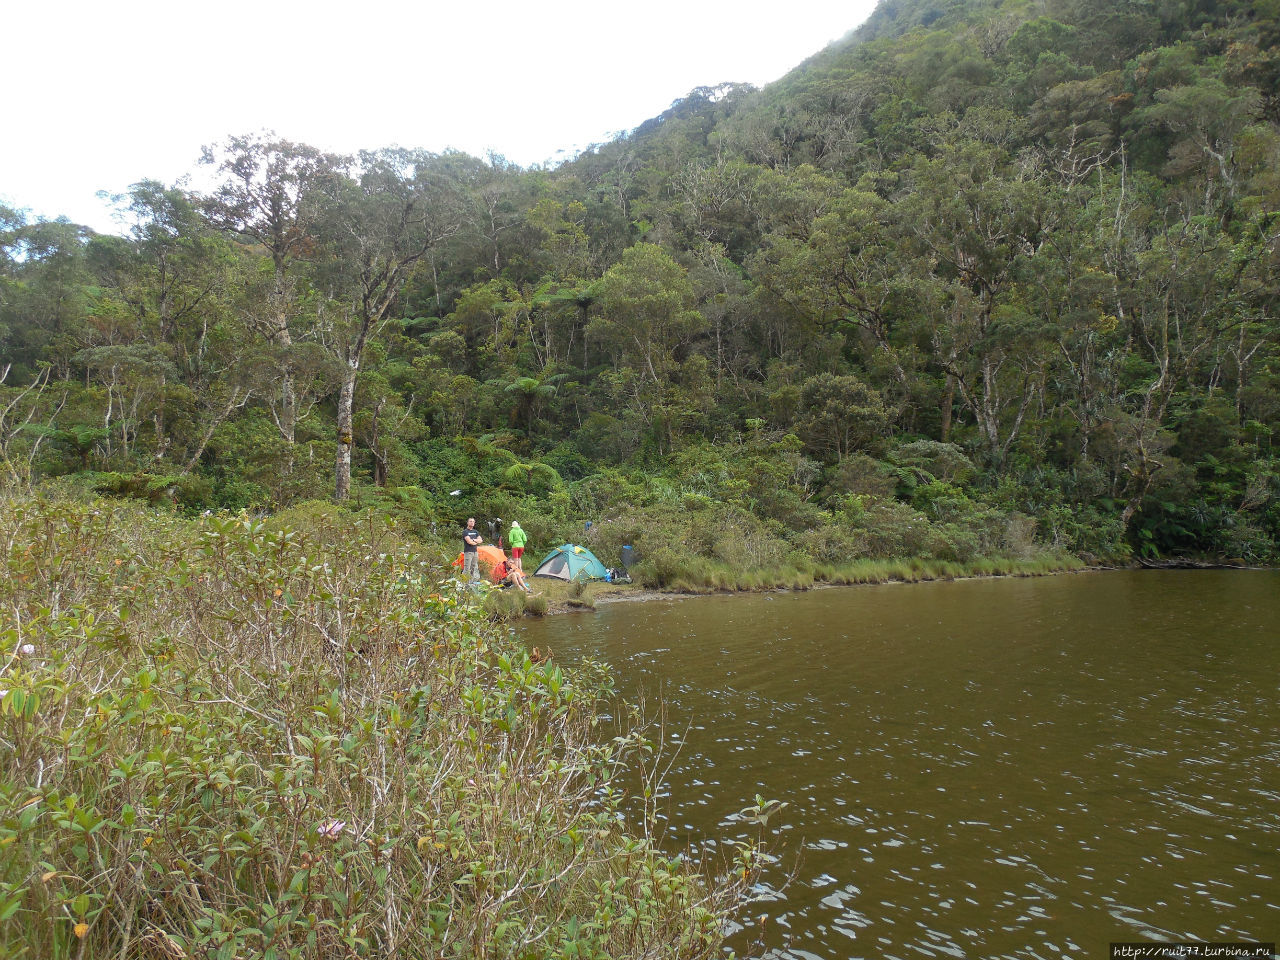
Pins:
x,y
841,414
973,263
163,489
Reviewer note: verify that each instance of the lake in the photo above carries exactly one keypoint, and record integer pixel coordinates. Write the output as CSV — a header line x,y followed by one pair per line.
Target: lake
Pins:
x,y
980,768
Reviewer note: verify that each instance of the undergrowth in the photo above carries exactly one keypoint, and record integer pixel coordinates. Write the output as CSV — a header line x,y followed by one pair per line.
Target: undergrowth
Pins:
x,y
227,737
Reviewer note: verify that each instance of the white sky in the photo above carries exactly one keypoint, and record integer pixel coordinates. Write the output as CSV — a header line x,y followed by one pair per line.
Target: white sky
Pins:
x,y
104,93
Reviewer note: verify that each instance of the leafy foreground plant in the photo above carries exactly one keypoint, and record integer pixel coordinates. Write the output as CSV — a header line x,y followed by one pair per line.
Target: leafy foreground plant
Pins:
x,y
227,738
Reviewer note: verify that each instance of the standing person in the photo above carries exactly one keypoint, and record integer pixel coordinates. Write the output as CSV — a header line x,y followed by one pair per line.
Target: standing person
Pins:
x,y
470,559
518,539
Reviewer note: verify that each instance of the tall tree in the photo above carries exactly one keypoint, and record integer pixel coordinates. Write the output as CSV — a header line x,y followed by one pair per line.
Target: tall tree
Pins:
x,y
174,275
646,311
45,294
978,221
274,193
399,206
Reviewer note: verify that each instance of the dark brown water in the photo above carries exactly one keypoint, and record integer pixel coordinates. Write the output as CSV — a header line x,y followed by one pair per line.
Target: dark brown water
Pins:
x,y
986,768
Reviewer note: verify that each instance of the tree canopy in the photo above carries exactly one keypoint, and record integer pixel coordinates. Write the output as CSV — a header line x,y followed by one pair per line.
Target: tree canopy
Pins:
x,y
1042,239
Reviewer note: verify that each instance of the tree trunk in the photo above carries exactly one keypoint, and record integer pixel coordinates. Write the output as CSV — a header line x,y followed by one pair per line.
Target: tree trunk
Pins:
x,y
346,403
162,441
280,335
379,456
237,399
948,401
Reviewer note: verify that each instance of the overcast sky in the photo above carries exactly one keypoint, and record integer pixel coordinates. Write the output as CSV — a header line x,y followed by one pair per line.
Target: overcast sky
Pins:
x,y
102,94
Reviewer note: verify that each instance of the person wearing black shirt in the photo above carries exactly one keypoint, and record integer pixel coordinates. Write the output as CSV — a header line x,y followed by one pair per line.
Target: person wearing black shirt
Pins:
x,y
470,559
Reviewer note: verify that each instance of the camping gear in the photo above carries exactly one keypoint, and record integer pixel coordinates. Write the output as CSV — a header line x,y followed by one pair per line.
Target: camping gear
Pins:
x,y
571,562
489,557
628,556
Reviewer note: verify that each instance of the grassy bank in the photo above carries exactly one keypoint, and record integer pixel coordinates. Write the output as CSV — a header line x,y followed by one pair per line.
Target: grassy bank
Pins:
x,y
700,576
290,739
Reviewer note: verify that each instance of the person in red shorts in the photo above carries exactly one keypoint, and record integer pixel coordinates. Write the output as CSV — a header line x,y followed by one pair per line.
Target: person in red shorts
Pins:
x,y
517,538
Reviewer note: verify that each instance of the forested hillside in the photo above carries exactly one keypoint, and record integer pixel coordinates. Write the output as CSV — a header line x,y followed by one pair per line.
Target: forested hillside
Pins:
x,y
986,279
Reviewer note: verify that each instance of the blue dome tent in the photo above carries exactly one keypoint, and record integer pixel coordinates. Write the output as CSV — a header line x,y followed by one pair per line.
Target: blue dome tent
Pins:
x,y
570,562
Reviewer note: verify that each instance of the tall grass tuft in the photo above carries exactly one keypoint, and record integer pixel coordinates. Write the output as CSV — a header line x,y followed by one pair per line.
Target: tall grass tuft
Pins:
x,y
503,605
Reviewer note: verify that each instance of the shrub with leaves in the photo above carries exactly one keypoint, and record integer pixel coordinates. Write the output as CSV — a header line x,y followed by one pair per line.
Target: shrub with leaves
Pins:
x,y
231,738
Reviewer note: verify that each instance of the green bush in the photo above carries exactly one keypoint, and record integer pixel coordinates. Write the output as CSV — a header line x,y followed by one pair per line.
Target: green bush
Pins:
x,y
299,739
892,529
173,490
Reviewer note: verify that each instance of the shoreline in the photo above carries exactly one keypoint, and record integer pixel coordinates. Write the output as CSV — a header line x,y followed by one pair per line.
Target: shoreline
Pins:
x,y
621,594
597,594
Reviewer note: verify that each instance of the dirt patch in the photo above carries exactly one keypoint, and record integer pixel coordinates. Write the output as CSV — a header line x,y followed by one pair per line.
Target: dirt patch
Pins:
x,y
596,594
632,596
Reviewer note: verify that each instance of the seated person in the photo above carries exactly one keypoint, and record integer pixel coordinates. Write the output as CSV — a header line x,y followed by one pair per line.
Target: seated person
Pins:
x,y
514,577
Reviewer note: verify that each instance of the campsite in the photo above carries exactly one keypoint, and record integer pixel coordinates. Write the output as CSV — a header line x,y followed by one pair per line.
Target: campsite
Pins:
x,y
569,577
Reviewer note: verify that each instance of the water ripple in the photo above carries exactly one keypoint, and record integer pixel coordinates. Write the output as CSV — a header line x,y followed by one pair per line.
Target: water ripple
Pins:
x,y
983,769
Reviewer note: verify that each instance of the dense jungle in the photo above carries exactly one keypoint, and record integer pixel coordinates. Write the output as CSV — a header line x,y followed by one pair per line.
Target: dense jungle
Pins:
x,y
983,280
988,286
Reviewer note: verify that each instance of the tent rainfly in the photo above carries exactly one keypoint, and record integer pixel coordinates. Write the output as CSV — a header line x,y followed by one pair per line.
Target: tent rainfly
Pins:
x,y
570,562
489,557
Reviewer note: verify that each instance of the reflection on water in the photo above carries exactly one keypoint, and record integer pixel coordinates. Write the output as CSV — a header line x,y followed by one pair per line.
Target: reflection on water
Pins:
x,y
988,768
